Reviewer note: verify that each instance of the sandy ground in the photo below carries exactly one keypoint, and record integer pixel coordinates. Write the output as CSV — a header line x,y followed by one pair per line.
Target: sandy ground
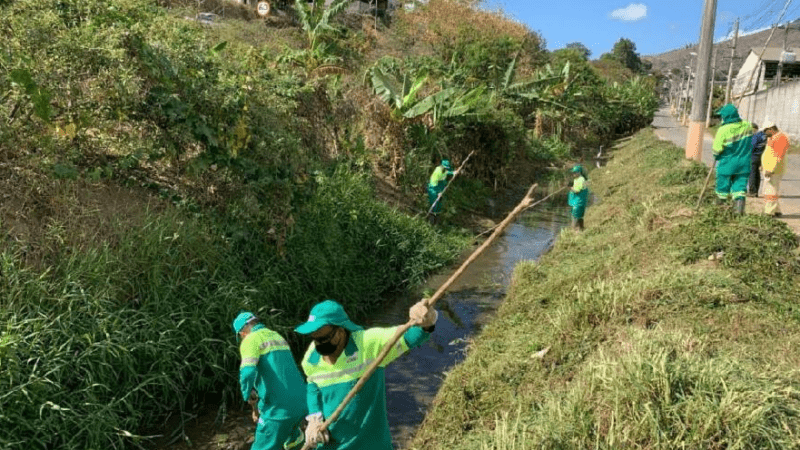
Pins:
x,y
669,129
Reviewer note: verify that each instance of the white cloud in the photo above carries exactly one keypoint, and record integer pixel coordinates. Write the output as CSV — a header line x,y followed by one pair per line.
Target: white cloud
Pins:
x,y
630,13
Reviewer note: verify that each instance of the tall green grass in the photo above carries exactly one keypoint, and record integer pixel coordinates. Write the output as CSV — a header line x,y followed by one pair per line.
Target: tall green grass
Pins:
x,y
106,341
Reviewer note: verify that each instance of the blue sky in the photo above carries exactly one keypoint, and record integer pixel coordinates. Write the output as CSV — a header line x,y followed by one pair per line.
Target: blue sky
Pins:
x,y
655,26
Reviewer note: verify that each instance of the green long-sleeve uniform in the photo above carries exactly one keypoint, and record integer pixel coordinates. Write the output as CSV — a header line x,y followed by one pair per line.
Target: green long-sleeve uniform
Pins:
x,y
436,185
269,368
363,425
732,149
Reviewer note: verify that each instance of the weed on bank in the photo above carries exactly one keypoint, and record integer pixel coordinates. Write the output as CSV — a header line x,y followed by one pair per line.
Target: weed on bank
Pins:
x,y
660,326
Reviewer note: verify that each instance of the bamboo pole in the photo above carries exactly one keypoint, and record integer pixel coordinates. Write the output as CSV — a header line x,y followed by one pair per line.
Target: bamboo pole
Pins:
x,y
527,207
448,184
430,302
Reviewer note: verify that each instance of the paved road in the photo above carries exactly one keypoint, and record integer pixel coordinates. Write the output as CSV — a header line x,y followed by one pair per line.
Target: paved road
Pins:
x,y
669,129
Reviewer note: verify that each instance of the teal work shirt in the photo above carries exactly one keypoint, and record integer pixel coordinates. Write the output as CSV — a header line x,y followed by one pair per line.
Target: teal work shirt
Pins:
x,y
363,425
733,148
439,178
268,367
578,193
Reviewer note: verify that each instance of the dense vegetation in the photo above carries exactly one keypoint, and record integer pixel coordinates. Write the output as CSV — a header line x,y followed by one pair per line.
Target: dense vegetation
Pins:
x,y
159,175
661,326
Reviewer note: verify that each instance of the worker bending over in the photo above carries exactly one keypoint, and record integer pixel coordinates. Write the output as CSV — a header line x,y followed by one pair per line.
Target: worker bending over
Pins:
x,y
270,381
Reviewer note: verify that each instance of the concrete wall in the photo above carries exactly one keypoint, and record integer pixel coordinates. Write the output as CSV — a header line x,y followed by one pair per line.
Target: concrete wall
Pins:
x,y
780,105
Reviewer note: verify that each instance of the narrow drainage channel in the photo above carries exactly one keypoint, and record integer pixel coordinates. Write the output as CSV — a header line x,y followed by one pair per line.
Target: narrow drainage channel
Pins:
x,y
413,380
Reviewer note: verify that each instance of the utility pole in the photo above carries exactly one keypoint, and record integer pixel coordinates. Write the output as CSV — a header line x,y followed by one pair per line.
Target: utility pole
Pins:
x,y
780,61
730,68
711,89
694,139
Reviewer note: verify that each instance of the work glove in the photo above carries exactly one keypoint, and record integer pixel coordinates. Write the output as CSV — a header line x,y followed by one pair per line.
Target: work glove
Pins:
x,y
423,315
314,433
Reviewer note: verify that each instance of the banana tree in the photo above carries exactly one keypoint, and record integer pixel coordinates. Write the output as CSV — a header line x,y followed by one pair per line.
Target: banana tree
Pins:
x,y
400,92
316,19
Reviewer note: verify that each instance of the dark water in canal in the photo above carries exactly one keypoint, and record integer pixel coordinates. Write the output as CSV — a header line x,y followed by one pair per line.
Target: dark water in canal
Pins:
x,y
413,380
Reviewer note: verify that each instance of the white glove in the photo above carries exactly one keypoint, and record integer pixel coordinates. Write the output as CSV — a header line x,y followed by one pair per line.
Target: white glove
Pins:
x,y
314,433
423,315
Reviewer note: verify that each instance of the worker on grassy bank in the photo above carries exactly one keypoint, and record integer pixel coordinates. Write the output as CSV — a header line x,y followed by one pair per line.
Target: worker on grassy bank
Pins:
x,y
773,162
759,143
436,185
732,149
340,353
578,195
271,383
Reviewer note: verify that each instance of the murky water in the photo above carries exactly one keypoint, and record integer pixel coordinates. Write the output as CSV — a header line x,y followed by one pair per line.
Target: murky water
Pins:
x,y
413,380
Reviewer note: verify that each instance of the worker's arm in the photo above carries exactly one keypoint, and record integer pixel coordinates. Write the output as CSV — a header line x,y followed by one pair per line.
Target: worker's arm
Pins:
x,y
248,369
719,143
313,399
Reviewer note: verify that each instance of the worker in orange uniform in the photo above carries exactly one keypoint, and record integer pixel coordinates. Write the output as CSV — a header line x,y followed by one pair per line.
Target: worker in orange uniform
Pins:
x,y
773,163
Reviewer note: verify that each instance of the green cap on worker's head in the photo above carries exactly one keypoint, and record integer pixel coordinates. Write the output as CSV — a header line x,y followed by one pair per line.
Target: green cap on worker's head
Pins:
x,y
446,164
328,312
244,318
577,169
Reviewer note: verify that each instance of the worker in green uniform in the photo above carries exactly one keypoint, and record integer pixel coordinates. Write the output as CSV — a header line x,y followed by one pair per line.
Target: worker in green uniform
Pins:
x,y
269,380
340,353
732,150
578,195
436,185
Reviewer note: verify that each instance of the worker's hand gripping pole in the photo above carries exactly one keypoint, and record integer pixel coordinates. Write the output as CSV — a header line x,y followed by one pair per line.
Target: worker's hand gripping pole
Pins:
x,y
441,194
430,302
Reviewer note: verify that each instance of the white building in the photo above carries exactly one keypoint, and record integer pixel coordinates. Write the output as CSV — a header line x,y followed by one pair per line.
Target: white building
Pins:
x,y
759,73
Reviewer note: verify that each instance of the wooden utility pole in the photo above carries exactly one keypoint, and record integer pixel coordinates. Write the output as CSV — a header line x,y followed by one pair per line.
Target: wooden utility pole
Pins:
x,y
711,89
694,138
730,68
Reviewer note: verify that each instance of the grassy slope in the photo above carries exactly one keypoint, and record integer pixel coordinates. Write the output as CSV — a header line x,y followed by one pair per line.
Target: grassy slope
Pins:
x,y
651,344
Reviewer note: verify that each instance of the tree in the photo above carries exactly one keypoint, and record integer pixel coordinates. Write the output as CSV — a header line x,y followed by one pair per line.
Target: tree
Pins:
x,y
580,48
624,51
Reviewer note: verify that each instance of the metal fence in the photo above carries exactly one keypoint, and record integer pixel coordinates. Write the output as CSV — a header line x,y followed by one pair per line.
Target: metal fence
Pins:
x,y
780,105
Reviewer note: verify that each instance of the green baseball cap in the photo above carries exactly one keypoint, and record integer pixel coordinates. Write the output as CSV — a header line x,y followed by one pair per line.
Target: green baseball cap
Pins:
x,y
327,312
243,319
446,164
577,169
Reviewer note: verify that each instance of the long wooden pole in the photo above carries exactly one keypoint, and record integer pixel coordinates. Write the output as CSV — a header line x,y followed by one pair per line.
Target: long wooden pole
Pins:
x,y
527,207
705,185
448,184
430,302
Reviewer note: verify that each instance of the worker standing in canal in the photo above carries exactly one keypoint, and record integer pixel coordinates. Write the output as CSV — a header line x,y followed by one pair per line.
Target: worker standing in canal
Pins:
x,y
436,185
270,381
578,195
340,353
732,149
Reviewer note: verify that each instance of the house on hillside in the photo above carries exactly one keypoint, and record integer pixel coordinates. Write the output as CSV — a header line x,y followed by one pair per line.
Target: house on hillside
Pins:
x,y
761,71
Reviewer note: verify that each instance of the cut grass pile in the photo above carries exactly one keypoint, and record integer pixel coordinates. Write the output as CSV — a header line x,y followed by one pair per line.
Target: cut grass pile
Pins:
x,y
629,336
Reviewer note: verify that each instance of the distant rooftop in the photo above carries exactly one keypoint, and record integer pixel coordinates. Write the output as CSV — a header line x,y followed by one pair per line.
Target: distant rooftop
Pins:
x,y
773,53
